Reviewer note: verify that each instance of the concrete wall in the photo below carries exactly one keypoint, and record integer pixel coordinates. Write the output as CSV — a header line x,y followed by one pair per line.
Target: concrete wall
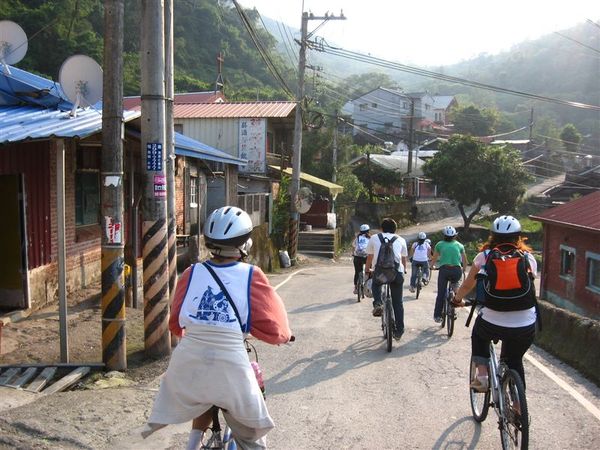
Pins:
x,y
572,338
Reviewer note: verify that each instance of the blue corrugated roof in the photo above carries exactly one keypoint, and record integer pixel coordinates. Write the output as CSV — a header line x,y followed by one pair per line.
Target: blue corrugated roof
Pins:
x,y
33,107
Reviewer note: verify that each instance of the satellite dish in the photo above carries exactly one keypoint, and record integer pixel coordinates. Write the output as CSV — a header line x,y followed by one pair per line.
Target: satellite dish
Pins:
x,y
304,200
13,44
81,80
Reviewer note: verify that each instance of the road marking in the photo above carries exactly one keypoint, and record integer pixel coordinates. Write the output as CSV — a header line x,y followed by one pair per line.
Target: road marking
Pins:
x,y
563,384
288,278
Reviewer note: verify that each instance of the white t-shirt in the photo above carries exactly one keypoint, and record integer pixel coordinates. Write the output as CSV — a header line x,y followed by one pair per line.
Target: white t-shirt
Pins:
x,y
421,251
399,247
508,319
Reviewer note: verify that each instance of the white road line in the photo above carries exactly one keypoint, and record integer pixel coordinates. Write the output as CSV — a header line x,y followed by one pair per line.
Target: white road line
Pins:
x,y
563,384
288,278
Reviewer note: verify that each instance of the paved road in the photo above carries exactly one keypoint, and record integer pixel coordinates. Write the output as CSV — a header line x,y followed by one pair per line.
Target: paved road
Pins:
x,y
336,387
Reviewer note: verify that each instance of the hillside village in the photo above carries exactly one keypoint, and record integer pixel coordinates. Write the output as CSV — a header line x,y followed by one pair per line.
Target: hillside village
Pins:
x,y
373,154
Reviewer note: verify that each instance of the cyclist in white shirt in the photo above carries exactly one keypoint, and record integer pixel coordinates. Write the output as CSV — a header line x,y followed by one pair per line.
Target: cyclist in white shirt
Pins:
x,y
420,254
360,251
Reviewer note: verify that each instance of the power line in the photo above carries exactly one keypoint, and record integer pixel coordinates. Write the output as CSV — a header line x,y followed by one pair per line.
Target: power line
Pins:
x,y
577,42
324,47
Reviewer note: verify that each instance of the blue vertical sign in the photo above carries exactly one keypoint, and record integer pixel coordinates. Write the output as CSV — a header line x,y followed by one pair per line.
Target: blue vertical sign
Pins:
x,y
154,156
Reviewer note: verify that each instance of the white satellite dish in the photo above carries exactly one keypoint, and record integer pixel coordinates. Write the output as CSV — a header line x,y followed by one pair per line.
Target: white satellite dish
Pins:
x,y
81,80
304,200
13,44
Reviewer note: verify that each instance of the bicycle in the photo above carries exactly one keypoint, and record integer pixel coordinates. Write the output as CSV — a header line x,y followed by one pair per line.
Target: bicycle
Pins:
x,y
388,320
448,310
421,282
506,394
216,438
360,285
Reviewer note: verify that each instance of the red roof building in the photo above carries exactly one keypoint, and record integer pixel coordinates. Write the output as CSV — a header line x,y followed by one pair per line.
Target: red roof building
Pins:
x,y
571,267
135,102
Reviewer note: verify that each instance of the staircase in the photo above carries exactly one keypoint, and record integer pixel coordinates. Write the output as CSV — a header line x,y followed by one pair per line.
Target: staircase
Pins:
x,y
317,243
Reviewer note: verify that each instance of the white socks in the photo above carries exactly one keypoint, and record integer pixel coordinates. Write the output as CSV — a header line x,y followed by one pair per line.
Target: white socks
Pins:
x,y
194,440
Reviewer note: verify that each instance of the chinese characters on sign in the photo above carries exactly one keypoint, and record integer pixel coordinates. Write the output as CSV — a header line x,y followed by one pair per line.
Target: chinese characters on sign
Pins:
x,y
252,145
154,156
160,186
113,230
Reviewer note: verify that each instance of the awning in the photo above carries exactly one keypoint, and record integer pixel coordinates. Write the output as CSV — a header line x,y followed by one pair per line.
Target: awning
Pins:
x,y
334,189
186,146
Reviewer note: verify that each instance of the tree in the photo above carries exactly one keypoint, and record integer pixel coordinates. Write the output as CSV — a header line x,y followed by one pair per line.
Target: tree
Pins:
x,y
571,137
474,121
474,174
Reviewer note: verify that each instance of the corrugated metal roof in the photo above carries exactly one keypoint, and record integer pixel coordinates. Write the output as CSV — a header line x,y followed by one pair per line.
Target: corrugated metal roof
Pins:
x,y
583,212
398,162
21,123
334,189
135,102
233,110
186,146
21,87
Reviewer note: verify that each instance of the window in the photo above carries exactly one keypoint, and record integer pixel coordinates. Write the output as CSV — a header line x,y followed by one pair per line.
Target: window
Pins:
x,y
87,186
567,261
593,271
427,107
193,192
404,105
363,107
373,105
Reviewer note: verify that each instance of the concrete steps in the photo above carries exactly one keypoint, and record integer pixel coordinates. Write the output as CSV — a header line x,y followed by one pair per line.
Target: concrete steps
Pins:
x,y
317,243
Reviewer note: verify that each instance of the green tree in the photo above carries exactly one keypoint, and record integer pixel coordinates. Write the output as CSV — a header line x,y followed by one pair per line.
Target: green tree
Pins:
x,y
474,121
571,137
353,187
473,174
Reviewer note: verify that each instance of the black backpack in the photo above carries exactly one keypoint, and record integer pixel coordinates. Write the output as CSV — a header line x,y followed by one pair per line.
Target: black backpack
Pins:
x,y
507,282
386,268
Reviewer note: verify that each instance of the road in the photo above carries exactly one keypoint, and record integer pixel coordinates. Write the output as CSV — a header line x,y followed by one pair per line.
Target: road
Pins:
x,y
337,387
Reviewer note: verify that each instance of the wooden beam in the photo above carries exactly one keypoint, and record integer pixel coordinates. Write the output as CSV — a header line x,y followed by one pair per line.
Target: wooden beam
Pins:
x,y
42,380
67,381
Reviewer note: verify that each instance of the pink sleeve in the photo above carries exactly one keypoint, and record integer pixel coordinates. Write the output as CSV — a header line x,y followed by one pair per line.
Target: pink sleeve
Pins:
x,y
479,260
180,291
268,318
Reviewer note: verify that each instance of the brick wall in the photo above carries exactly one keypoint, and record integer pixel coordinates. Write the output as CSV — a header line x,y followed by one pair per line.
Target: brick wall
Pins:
x,y
569,292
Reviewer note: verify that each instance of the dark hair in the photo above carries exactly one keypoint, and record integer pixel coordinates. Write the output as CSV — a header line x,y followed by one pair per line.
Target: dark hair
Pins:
x,y
388,225
420,241
449,238
494,240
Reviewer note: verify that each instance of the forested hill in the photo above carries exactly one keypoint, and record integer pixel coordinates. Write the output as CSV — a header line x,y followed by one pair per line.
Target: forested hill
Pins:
x,y
58,29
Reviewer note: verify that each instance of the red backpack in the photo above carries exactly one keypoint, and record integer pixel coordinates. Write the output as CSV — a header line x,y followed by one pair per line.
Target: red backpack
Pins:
x,y
508,281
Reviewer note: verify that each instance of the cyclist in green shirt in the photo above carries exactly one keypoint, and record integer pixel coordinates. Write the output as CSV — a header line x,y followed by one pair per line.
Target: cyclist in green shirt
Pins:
x,y
449,256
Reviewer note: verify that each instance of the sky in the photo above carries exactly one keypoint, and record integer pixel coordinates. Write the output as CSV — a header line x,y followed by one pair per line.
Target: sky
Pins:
x,y
432,32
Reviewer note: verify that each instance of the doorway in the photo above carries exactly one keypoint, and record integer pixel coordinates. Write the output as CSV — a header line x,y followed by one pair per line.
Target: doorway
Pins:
x,y
13,245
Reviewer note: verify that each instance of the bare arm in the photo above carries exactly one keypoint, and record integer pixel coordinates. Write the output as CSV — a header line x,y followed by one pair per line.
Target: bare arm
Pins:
x,y
368,264
467,285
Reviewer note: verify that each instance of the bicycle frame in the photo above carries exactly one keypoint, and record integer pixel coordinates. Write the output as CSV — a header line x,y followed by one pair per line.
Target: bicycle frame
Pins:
x,y
388,319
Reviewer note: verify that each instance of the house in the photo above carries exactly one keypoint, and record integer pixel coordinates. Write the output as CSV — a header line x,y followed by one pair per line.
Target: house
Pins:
x,y
36,129
442,104
571,266
577,183
389,114
414,184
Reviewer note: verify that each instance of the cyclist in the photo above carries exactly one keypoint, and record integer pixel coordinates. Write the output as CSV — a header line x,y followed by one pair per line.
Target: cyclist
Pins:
x,y
215,304
449,255
359,252
388,228
420,254
516,328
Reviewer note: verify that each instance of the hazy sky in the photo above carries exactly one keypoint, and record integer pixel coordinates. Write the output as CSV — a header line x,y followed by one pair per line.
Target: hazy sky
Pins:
x,y
432,32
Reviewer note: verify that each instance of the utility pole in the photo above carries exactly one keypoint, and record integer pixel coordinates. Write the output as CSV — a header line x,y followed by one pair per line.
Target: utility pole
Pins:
x,y
157,342
410,134
530,129
114,351
170,152
335,149
297,156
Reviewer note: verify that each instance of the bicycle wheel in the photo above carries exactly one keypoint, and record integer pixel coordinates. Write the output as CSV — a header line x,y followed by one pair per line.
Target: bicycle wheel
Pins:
x,y
360,286
389,324
443,323
419,278
514,430
450,318
480,401
228,441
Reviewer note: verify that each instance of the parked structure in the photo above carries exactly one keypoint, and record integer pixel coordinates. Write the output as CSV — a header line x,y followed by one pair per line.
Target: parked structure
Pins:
x,y
571,264
35,126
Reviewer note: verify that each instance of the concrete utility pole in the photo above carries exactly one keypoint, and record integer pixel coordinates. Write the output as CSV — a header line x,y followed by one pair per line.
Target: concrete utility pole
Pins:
x,y
157,342
297,156
170,151
530,129
410,134
335,149
114,351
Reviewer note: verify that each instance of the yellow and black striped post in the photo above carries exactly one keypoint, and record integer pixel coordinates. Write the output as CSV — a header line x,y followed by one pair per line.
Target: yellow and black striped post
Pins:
x,y
114,354
114,351
157,341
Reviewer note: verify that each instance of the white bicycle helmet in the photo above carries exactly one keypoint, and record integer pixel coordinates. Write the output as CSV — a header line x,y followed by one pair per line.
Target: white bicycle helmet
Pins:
x,y
422,235
506,225
228,226
364,227
449,231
